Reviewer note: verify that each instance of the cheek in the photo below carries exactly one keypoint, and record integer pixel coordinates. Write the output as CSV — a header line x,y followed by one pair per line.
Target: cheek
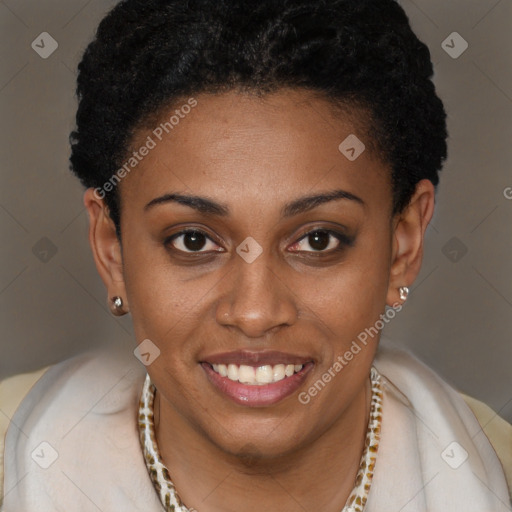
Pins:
x,y
353,296
160,304
169,303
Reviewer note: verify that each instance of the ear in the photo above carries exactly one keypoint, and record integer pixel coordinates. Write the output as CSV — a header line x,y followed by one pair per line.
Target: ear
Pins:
x,y
106,249
408,234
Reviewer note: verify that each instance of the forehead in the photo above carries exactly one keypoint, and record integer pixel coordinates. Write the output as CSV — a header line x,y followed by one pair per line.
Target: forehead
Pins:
x,y
289,141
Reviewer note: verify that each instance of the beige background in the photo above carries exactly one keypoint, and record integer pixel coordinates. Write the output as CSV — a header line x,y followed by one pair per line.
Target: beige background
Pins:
x,y
459,315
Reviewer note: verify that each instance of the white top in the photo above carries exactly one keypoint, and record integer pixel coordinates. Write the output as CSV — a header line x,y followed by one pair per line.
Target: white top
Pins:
x,y
73,443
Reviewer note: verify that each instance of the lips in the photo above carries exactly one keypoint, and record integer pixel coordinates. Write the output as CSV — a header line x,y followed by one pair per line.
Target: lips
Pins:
x,y
256,379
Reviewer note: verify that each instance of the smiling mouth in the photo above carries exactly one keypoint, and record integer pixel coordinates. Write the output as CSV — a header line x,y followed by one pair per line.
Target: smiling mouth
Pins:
x,y
256,376
256,384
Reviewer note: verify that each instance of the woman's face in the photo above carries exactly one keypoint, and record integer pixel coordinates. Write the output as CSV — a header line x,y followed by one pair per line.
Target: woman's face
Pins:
x,y
264,277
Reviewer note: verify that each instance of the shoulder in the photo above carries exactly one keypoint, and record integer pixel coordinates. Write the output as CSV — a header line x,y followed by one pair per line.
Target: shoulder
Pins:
x,y
12,391
68,402
497,430
444,408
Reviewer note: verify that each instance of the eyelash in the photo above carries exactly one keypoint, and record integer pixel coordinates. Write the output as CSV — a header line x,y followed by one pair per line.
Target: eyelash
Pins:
x,y
344,240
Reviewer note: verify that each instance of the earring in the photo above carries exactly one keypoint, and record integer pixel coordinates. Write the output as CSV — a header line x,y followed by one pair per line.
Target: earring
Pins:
x,y
117,304
404,292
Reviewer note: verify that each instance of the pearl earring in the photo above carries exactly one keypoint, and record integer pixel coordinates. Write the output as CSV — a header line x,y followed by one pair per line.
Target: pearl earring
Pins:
x,y
404,292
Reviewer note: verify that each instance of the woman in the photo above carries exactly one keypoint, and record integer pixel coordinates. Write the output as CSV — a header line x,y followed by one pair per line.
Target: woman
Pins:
x,y
259,180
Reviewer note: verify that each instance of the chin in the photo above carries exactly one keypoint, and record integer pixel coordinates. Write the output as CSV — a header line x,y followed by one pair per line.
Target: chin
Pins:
x,y
255,443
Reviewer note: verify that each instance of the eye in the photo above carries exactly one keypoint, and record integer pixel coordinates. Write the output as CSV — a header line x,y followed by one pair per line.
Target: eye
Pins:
x,y
322,240
191,241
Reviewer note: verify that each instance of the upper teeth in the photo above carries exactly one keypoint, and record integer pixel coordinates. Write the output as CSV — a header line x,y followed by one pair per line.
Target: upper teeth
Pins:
x,y
261,375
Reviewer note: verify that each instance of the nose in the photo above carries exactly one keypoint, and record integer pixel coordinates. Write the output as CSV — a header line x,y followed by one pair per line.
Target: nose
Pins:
x,y
258,299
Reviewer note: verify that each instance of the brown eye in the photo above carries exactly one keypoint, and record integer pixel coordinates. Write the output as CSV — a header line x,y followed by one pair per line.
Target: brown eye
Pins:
x,y
191,240
319,240
322,240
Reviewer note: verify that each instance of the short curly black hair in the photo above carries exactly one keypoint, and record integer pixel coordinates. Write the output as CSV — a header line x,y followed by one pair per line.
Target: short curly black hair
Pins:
x,y
147,54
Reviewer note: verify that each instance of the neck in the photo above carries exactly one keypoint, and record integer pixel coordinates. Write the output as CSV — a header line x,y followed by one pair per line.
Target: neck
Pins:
x,y
319,476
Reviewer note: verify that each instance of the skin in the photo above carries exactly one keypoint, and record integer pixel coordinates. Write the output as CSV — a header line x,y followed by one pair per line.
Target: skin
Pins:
x,y
255,155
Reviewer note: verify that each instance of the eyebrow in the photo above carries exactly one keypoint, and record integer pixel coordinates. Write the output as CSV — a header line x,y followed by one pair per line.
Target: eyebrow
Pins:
x,y
209,207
